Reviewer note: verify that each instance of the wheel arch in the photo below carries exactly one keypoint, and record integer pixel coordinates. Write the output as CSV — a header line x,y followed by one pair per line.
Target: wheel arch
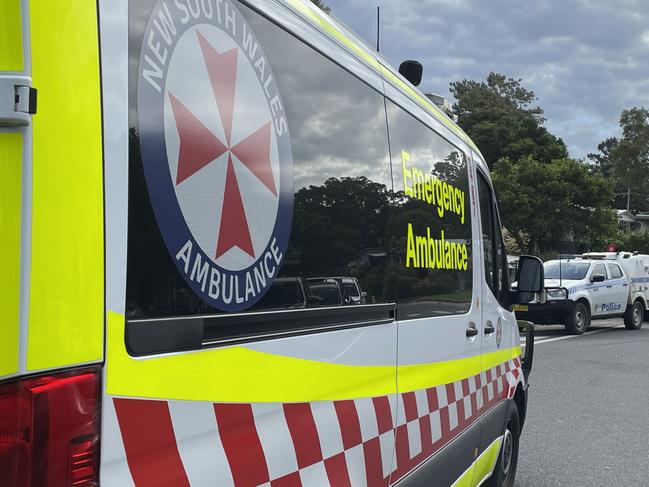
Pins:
x,y
641,298
520,399
584,299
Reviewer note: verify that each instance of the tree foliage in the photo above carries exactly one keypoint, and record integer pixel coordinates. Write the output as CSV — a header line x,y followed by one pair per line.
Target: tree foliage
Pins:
x,y
501,117
632,241
602,158
626,160
349,214
545,197
546,204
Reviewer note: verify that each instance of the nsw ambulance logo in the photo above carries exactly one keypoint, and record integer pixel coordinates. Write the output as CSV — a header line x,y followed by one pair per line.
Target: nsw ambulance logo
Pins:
x,y
215,149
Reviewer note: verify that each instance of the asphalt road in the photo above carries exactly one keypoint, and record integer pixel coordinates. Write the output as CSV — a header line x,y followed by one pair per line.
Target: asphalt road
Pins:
x,y
588,413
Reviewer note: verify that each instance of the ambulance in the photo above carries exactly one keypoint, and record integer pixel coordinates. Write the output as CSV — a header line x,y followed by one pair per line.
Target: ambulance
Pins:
x,y
173,172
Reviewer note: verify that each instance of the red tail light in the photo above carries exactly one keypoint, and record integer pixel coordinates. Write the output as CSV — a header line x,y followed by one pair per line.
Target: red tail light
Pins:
x,y
49,430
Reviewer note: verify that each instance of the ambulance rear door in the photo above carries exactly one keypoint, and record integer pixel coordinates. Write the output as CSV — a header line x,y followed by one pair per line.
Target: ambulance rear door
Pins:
x,y
51,198
51,242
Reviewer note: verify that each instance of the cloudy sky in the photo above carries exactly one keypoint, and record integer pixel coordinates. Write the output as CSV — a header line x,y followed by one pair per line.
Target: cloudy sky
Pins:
x,y
586,60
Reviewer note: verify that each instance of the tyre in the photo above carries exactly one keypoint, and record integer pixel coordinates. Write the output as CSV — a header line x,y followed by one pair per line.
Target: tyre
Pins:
x,y
634,316
505,471
578,321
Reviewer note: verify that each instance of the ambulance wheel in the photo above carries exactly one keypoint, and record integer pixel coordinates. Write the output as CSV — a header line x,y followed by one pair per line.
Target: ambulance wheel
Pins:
x,y
505,471
578,320
634,316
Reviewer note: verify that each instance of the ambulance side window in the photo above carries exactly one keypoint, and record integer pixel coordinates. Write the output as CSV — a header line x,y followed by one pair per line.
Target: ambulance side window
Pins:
x,y
297,217
486,219
501,261
494,253
615,271
428,234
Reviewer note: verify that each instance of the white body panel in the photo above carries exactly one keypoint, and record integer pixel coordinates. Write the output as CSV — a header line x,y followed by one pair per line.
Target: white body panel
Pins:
x,y
636,267
607,298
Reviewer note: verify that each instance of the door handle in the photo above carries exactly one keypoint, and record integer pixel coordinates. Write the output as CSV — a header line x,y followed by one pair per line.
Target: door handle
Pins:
x,y
625,284
489,328
471,331
609,285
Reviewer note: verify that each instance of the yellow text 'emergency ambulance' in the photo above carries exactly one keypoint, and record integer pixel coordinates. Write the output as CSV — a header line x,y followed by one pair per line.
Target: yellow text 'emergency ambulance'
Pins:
x,y
239,249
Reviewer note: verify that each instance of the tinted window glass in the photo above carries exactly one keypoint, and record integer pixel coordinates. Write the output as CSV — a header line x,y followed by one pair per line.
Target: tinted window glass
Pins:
x,y
488,237
328,294
565,270
502,277
495,255
284,293
429,230
255,164
615,270
598,269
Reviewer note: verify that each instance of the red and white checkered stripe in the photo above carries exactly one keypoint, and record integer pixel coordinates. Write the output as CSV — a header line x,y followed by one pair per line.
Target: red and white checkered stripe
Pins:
x,y
337,443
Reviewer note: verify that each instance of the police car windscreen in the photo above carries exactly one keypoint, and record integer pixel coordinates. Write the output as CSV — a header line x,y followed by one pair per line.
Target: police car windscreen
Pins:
x,y
565,270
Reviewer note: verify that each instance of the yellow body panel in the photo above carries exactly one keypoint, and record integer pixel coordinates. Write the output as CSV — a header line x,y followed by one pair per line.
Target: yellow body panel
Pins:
x,y
423,376
486,462
67,262
238,374
235,374
483,465
11,36
466,480
11,150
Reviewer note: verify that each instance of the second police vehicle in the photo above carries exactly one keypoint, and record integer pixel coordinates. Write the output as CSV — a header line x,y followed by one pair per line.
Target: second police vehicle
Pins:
x,y
240,249
593,286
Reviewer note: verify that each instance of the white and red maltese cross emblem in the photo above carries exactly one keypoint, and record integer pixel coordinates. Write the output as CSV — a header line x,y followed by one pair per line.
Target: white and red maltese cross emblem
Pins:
x,y
199,147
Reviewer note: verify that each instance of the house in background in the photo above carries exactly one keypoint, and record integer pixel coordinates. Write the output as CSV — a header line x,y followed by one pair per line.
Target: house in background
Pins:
x,y
637,222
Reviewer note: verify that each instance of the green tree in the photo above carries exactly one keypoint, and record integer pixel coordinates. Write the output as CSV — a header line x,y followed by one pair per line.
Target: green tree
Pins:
x,y
602,158
625,160
545,204
633,241
501,117
333,223
630,158
321,4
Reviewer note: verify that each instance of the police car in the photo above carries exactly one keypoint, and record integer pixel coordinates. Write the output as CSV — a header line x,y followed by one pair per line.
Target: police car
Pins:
x,y
585,288
189,166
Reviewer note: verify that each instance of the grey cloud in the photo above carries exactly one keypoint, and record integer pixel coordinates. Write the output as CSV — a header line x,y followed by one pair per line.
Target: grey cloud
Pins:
x,y
586,60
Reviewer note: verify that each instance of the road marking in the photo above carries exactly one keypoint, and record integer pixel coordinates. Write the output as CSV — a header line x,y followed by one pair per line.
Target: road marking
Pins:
x,y
556,339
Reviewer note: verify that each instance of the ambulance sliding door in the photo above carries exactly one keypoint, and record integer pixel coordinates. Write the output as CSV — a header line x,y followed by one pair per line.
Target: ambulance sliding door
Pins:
x,y
437,302
258,341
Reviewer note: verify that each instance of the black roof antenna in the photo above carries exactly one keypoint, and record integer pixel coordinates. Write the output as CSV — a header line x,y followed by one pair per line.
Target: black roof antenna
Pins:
x,y
378,28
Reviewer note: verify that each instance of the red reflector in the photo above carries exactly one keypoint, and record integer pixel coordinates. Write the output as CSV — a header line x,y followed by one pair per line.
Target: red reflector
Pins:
x,y
49,430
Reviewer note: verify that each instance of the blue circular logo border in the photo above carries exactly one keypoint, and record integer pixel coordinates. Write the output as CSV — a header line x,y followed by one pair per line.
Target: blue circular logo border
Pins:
x,y
173,227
